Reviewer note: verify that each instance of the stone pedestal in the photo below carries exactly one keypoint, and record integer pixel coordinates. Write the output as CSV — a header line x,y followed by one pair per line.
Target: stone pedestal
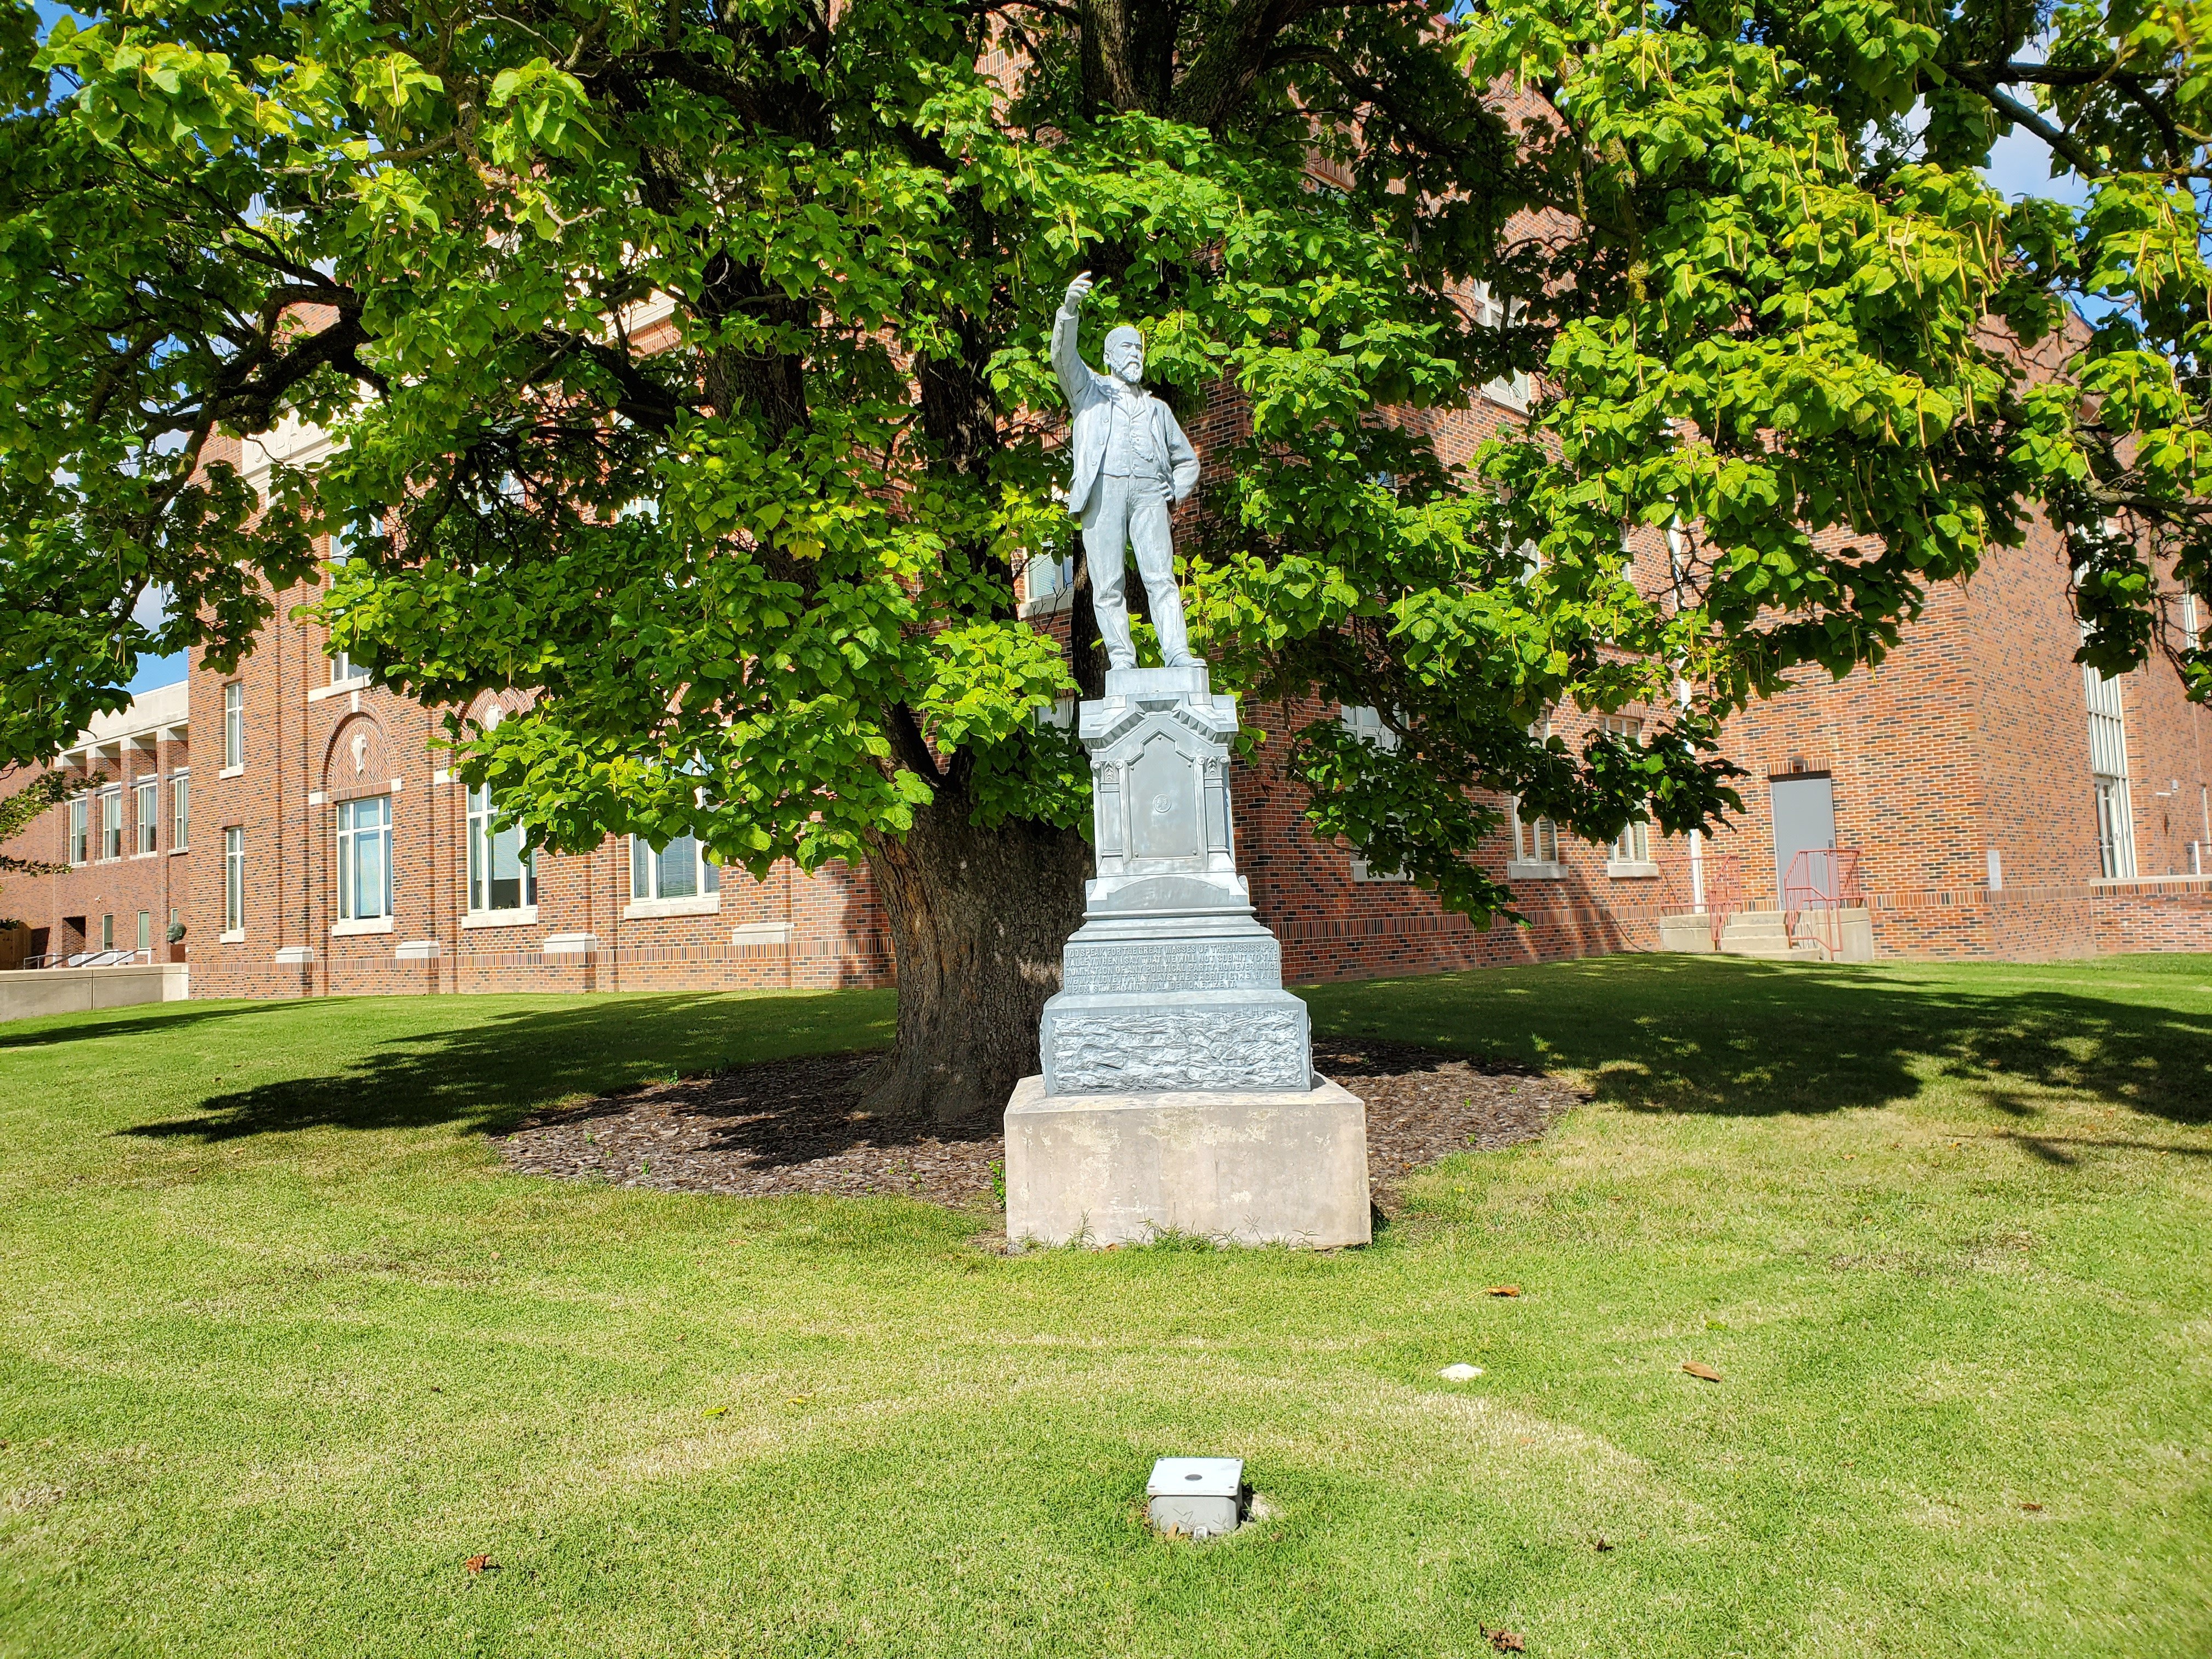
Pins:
x,y
1178,1089
1252,1167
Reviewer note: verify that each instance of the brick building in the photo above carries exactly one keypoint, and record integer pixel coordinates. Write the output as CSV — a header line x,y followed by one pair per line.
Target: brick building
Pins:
x,y
1995,800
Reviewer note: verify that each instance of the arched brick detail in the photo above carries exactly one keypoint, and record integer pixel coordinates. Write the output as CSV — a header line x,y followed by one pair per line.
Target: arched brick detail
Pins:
x,y
359,759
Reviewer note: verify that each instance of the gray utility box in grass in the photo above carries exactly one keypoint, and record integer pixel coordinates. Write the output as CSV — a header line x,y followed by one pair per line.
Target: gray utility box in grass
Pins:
x,y
1198,1497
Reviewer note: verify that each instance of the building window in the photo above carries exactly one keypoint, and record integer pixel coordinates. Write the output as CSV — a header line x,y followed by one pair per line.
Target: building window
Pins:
x,y
2116,830
233,881
679,870
80,836
344,671
1048,578
146,931
1365,722
180,811
111,824
2188,617
234,724
2108,766
107,932
1490,311
502,872
149,816
1535,841
365,859
1633,844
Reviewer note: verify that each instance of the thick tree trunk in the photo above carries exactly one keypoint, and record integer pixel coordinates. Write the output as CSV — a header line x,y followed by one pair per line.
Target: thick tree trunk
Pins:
x,y
978,918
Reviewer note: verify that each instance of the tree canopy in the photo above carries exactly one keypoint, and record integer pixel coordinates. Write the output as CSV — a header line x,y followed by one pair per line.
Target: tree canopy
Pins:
x,y
759,561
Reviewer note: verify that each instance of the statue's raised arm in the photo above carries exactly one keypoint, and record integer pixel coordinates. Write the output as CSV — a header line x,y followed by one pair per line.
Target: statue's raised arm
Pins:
x,y
1131,462
1067,362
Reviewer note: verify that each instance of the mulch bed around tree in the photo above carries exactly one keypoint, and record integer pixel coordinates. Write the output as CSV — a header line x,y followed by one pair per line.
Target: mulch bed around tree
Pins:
x,y
795,1126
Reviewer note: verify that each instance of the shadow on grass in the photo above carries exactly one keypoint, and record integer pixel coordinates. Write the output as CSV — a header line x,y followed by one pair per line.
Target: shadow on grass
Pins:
x,y
482,1076
1742,1038
137,1022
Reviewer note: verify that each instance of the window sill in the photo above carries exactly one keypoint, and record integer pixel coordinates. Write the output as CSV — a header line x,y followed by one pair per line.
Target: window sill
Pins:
x,y
186,848
1361,872
231,772
695,905
1047,605
1535,870
155,854
525,917
340,689
1506,395
1632,869
367,925
235,936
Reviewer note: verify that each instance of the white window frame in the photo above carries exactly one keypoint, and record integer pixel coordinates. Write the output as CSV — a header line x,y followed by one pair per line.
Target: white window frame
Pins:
x,y
1628,856
1536,854
345,671
1535,846
234,883
2116,830
180,811
353,839
80,829
146,932
110,824
1047,585
234,726
2108,769
1365,722
107,931
146,813
2188,617
1512,391
649,889
483,829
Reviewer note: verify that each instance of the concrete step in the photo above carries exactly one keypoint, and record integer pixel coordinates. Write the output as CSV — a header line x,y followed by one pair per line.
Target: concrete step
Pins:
x,y
1762,935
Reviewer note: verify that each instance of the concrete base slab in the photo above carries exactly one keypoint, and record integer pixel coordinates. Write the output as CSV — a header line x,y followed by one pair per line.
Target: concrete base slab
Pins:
x,y
1286,1167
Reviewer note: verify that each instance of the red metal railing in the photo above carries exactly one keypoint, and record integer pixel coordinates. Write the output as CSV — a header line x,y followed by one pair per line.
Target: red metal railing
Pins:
x,y
1723,890
1821,881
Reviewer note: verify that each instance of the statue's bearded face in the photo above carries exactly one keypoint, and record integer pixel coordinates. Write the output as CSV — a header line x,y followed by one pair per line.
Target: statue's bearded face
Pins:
x,y
1125,355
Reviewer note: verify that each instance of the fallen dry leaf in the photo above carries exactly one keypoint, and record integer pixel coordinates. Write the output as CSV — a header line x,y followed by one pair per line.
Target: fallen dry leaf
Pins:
x,y
1503,1289
1697,1368
2031,1506
476,1563
1504,1641
1602,1544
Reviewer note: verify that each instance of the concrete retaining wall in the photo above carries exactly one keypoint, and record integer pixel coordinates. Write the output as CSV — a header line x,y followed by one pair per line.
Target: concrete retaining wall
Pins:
x,y
30,993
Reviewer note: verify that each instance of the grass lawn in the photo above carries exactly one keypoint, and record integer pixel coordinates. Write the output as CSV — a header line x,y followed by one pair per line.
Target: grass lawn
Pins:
x,y
282,1346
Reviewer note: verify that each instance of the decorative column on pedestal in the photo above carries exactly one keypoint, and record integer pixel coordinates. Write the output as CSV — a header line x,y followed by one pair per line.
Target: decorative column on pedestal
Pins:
x,y
1178,1092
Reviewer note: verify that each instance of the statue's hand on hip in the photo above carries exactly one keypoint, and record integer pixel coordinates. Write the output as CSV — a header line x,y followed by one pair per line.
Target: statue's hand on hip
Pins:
x,y
1076,290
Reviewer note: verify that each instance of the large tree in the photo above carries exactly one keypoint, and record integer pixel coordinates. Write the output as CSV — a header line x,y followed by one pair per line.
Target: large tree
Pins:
x,y
759,563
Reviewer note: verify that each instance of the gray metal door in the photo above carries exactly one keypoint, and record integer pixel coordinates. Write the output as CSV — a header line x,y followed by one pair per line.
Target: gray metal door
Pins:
x,y
1804,821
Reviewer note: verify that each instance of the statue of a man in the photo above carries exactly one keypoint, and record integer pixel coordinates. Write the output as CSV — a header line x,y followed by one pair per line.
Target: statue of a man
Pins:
x,y
1132,463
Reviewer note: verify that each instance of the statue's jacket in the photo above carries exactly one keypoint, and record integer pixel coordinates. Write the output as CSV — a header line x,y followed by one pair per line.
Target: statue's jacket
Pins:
x,y
1091,396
